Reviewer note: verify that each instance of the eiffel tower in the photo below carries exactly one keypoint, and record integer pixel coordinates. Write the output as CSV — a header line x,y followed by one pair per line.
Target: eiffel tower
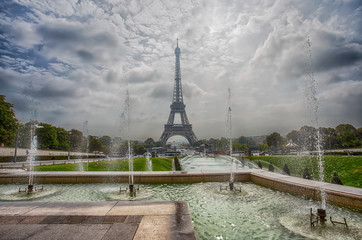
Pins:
x,y
185,128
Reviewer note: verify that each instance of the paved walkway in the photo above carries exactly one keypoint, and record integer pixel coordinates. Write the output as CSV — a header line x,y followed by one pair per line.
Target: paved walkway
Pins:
x,y
95,220
5,151
12,165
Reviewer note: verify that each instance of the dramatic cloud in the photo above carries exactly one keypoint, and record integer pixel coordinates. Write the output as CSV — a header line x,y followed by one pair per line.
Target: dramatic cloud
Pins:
x,y
73,61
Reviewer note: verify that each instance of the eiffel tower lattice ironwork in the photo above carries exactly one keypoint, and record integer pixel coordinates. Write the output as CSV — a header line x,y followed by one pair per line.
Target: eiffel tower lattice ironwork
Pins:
x,y
178,107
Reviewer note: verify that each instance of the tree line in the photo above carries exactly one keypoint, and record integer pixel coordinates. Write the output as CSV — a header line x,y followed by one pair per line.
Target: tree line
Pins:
x,y
57,138
305,139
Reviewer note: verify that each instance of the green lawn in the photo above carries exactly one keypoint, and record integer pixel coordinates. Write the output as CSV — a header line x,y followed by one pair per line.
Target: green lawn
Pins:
x,y
349,169
139,164
161,164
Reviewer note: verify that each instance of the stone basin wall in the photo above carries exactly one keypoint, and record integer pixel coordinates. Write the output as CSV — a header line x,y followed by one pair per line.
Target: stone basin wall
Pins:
x,y
336,194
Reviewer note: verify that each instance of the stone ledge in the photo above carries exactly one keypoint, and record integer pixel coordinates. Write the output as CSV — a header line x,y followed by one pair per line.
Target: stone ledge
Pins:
x,y
336,194
95,220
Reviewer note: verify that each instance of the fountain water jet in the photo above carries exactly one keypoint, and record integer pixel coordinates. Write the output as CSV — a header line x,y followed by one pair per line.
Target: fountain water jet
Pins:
x,y
86,132
32,154
312,97
149,161
130,160
228,125
127,117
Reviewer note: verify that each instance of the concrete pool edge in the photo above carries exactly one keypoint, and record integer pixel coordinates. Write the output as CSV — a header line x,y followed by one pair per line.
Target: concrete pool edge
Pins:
x,y
96,220
336,194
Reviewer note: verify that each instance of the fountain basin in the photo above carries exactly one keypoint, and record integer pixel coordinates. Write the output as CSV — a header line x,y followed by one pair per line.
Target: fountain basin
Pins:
x,y
336,194
255,212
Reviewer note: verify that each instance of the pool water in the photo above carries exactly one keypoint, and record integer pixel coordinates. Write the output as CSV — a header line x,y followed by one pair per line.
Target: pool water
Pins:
x,y
252,212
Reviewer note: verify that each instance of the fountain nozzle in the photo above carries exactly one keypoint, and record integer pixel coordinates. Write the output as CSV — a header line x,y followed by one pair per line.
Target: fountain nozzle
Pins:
x,y
30,188
131,188
321,213
231,186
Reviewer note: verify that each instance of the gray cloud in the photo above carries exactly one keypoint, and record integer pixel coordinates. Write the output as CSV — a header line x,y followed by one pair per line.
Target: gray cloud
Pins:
x,y
142,74
80,57
161,92
55,92
338,58
60,32
6,80
85,55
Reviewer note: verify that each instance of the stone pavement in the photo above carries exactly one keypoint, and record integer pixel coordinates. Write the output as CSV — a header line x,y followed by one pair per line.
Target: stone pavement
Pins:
x,y
95,220
5,151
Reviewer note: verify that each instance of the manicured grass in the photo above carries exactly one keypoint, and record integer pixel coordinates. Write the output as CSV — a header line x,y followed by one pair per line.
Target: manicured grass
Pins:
x,y
349,169
57,167
139,164
161,164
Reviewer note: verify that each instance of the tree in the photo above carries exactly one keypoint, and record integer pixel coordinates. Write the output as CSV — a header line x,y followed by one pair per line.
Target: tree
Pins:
x,y
123,148
47,136
274,140
348,139
24,135
295,137
236,146
249,142
62,139
8,123
138,149
243,140
263,147
106,141
359,133
223,144
76,140
345,128
243,147
95,145
149,143
329,136
347,136
308,136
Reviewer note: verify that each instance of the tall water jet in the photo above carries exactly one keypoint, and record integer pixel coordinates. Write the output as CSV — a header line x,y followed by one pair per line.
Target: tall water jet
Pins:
x,y
86,132
228,125
149,161
126,115
33,143
229,122
31,156
313,104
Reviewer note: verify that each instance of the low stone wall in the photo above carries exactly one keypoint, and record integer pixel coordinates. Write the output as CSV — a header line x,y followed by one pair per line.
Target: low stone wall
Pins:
x,y
336,194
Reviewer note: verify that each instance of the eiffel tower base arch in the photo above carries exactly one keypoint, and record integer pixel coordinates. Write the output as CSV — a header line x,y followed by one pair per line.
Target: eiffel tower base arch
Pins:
x,y
179,130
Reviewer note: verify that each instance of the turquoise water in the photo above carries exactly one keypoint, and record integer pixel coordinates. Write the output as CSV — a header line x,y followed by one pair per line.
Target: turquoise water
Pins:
x,y
253,213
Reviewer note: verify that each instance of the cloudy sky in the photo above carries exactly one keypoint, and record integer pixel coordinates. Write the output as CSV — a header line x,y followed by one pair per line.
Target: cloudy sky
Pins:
x,y
72,61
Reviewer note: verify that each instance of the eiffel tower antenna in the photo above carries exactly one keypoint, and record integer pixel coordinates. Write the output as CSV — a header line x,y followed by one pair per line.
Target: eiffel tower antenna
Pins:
x,y
185,128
